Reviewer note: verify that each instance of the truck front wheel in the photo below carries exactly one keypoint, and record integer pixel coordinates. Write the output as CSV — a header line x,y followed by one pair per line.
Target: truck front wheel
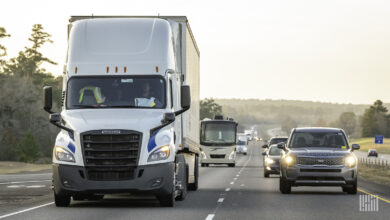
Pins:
x,y
167,200
61,201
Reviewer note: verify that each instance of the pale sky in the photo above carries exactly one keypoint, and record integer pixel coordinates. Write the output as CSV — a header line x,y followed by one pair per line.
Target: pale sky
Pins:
x,y
330,50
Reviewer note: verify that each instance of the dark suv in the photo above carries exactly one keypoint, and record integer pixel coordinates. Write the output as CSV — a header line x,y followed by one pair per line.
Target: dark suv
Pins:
x,y
318,157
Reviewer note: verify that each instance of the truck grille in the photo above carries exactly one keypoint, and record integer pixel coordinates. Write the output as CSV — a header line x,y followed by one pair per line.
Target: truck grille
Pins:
x,y
320,161
219,156
111,155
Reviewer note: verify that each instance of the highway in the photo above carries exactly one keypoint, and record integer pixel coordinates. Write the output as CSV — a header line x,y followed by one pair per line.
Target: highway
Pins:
x,y
224,193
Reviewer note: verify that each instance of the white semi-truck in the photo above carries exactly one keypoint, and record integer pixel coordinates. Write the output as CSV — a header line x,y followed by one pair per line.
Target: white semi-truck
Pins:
x,y
130,114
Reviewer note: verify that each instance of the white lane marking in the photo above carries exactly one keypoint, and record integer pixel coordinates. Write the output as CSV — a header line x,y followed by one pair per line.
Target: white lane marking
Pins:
x,y
234,179
32,181
25,210
220,199
15,186
210,217
36,186
227,189
242,185
231,183
237,175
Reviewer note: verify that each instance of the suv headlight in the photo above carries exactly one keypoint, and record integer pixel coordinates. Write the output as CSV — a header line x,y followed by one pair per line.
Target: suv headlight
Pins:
x,y
62,154
204,157
350,161
269,161
161,153
289,160
231,155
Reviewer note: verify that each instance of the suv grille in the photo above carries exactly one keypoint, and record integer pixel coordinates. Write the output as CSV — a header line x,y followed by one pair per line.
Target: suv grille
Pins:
x,y
217,156
320,161
111,156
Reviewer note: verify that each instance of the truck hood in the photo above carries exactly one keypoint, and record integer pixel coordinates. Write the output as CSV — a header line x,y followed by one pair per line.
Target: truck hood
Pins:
x,y
319,151
129,119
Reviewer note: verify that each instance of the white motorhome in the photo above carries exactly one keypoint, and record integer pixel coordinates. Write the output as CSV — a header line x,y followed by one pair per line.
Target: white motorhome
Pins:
x,y
218,141
128,122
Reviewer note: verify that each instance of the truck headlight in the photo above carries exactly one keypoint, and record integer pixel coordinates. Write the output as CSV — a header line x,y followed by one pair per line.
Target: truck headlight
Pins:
x,y
63,155
204,157
231,155
161,153
350,161
289,160
269,161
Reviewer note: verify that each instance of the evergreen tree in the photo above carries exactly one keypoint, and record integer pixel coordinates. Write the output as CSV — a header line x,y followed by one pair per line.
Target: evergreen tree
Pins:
x,y
3,50
28,149
375,120
209,108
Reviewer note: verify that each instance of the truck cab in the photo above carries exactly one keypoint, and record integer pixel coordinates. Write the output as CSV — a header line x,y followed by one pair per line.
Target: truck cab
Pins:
x,y
218,141
128,121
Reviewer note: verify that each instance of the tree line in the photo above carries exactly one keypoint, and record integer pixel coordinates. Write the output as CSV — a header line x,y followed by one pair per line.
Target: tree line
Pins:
x,y
25,133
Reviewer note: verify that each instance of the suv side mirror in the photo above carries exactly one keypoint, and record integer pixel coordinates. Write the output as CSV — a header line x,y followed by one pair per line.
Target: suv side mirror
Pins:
x,y
47,99
265,146
185,96
355,147
281,145
168,117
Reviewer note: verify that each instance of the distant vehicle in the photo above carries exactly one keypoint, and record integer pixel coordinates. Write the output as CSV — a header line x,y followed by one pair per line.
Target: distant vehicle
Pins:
x,y
271,160
249,134
275,140
218,142
318,157
372,153
242,144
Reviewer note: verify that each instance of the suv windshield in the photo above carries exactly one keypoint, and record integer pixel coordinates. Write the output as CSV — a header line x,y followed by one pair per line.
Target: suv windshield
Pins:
x,y
116,92
318,139
218,134
277,141
274,151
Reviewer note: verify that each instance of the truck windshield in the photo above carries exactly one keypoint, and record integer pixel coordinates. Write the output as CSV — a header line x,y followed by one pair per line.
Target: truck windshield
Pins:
x,y
116,92
316,139
277,141
218,134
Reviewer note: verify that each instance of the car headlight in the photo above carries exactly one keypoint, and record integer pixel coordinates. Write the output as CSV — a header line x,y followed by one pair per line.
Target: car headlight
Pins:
x,y
62,154
269,161
203,155
350,161
231,155
161,153
289,160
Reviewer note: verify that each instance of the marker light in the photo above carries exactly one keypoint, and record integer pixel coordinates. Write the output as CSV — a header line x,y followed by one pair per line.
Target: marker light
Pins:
x,y
108,69
124,69
350,161
63,155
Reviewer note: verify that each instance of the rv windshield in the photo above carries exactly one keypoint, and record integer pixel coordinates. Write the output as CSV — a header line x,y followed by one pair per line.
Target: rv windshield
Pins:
x,y
218,134
116,92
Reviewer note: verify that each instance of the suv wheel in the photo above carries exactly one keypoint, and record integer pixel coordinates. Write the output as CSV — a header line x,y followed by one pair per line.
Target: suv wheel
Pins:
x,y
284,185
352,189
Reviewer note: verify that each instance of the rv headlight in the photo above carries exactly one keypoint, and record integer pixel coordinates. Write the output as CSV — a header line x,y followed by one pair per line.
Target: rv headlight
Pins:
x,y
62,154
289,160
204,157
350,161
269,161
161,153
231,155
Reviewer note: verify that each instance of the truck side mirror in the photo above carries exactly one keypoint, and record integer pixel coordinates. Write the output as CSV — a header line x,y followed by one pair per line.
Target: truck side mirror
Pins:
x,y
168,117
47,99
185,96
281,145
55,118
355,147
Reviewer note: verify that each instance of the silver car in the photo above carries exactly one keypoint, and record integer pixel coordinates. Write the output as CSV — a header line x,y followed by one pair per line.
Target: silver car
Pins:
x,y
318,157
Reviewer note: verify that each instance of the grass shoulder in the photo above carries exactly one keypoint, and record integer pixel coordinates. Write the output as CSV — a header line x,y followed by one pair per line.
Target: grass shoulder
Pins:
x,y
11,167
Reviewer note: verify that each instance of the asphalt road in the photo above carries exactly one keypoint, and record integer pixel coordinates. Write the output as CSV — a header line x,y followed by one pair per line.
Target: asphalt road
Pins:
x,y
225,193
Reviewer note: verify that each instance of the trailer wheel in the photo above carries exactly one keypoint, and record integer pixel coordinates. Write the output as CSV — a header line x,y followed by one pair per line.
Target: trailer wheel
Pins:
x,y
194,186
61,201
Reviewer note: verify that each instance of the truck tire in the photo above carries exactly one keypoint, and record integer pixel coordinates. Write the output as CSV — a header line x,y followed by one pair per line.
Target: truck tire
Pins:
x,y
184,178
203,165
284,185
231,164
245,154
61,201
194,186
266,174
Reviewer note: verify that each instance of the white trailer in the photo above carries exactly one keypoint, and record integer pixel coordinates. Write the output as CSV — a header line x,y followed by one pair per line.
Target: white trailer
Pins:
x,y
128,122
